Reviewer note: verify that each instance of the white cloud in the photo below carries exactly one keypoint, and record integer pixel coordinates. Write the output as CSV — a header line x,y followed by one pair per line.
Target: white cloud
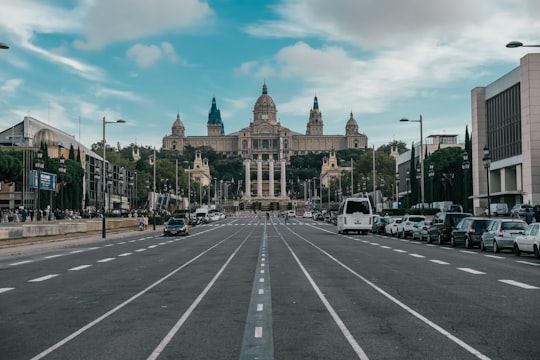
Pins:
x,y
109,21
11,86
148,55
126,95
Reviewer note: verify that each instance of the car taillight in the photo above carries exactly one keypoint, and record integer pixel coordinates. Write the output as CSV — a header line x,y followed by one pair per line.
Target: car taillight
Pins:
x,y
500,233
444,227
471,230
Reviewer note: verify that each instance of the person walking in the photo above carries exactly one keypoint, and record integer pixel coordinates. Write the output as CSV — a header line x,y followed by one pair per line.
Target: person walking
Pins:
x,y
528,215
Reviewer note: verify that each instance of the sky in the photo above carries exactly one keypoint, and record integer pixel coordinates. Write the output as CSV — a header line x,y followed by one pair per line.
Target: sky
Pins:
x,y
72,63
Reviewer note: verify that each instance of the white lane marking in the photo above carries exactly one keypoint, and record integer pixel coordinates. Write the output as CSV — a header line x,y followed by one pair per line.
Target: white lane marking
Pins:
x,y
261,291
94,248
472,271
125,254
122,243
21,262
494,256
262,271
385,247
262,265
400,251
53,256
417,255
117,308
258,332
374,243
519,284
140,250
447,248
76,251
440,262
3,290
528,263
153,246
261,280
108,245
260,307
341,325
79,267
106,260
44,278
468,252
167,339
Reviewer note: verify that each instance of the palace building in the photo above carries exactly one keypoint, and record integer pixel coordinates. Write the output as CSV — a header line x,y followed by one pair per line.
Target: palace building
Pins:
x,y
265,145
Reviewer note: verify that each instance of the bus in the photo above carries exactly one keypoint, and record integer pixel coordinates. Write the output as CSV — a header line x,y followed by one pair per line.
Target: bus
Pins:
x,y
355,215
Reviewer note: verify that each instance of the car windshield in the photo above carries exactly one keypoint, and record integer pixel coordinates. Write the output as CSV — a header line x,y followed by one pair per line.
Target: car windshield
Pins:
x,y
416,218
513,225
176,222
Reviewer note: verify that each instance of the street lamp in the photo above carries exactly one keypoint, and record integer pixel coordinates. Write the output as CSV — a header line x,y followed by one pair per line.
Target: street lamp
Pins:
x,y
39,165
431,174
62,173
189,187
420,156
408,179
104,183
465,165
487,163
516,44
397,190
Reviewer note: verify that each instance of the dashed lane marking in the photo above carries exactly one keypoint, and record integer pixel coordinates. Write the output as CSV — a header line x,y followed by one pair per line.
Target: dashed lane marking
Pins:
x,y
520,284
471,271
3,290
77,268
44,278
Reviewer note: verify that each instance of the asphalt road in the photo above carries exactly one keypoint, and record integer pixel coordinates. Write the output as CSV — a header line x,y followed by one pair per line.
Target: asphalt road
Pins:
x,y
252,288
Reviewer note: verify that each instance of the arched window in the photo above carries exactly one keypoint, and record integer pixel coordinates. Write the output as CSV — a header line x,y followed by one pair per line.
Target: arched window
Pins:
x,y
356,144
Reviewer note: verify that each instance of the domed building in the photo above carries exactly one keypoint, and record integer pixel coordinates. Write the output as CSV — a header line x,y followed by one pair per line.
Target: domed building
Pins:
x,y
265,145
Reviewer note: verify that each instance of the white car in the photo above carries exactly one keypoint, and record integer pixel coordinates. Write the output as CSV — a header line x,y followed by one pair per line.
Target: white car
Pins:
x,y
529,242
308,214
392,227
405,228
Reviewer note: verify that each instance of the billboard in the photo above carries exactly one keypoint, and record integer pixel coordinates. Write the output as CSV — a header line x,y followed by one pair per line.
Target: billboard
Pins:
x,y
47,181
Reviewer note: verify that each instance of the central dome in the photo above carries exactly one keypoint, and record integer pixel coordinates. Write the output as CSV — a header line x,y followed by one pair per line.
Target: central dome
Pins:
x,y
265,108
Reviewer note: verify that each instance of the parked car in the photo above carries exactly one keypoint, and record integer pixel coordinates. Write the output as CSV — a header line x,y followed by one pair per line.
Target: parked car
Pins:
x,y
291,213
529,242
405,228
501,234
308,214
379,224
498,209
392,226
442,224
469,231
519,209
176,226
420,230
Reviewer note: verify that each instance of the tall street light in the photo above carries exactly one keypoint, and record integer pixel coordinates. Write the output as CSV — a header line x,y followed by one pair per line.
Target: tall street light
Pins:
x,y
465,165
189,188
487,163
104,183
421,157
62,173
39,165
431,174
516,44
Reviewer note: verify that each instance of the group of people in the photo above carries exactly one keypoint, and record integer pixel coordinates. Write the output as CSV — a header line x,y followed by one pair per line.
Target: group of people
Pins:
x,y
143,222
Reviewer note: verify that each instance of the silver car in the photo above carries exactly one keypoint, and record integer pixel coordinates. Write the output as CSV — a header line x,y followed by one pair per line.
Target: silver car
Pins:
x,y
501,234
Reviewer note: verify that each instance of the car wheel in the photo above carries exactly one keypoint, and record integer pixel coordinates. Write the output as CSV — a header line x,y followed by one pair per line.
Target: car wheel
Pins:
x,y
482,245
536,252
517,252
496,248
452,241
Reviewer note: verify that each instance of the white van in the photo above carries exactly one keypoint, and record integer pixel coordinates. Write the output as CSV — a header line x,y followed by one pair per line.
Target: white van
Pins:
x,y
498,209
355,214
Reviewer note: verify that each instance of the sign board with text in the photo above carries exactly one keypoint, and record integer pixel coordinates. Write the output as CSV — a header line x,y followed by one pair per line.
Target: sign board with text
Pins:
x,y
47,180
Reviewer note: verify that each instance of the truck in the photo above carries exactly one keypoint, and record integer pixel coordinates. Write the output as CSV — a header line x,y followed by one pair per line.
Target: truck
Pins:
x,y
202,214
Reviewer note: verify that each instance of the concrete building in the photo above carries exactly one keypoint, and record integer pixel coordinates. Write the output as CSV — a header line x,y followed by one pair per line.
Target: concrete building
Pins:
x,y
506,119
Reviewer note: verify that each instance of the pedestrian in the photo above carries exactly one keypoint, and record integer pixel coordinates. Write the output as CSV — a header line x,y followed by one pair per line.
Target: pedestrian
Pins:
x,y
286,218
528,215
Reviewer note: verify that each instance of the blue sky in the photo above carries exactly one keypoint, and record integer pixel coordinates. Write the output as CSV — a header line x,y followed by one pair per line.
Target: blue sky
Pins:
x,y
71,63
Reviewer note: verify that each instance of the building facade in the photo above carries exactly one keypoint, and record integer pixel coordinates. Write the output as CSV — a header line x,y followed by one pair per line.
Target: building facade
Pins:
x,y
506,121
265,145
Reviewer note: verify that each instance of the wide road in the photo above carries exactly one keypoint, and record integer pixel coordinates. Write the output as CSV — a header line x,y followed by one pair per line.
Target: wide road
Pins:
x,y
256,288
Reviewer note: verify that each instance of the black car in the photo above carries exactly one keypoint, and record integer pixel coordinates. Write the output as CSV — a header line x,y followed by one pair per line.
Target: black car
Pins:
x,y
442,224
379,225
469,231
175,226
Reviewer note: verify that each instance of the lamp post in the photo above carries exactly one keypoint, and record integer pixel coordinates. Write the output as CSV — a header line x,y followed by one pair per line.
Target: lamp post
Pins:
x,y
97,176
431,174
189,188
104,183
516,44
397,190
418,175
420,156
408,179
487,163
39,164
62,173
465,165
